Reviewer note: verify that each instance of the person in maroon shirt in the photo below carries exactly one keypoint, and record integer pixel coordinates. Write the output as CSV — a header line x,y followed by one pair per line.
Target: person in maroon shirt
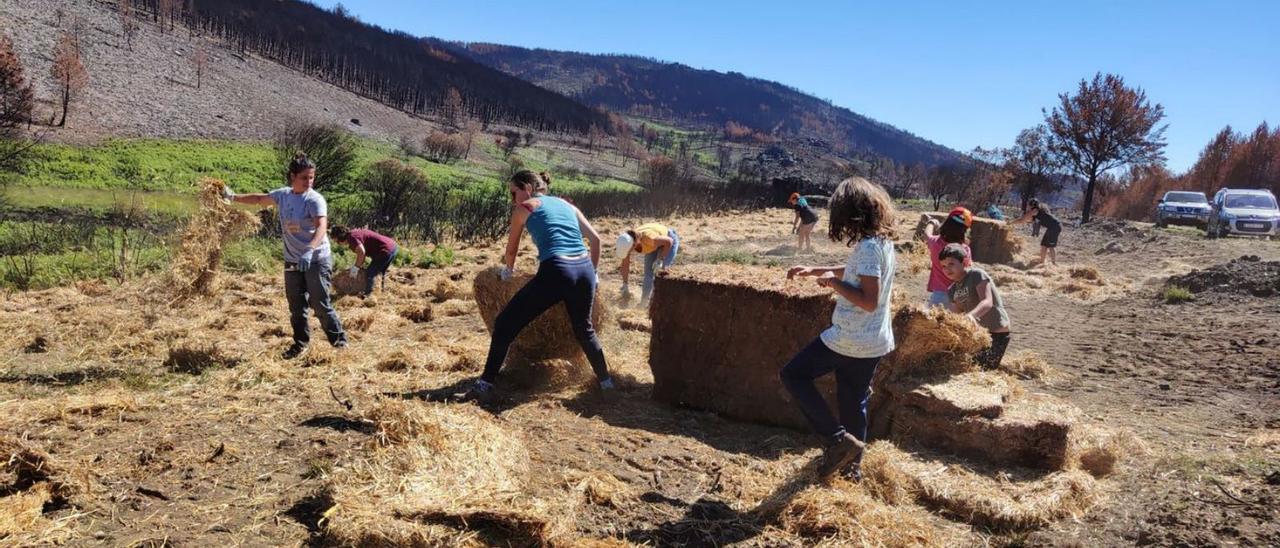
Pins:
x,y
380,250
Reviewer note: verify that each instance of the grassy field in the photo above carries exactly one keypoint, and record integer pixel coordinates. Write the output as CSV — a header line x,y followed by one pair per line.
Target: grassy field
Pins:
x,y
148,164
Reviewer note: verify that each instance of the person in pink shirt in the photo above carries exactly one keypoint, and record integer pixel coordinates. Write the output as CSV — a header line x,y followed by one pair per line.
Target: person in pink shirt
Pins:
x,y
380,250
954,230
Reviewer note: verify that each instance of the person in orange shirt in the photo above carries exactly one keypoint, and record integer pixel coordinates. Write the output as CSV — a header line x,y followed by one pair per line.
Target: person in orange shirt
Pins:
x,y
658,243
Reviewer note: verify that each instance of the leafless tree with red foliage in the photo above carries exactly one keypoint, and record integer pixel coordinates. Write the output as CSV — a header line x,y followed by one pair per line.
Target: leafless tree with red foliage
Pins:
x,y
68,72
595,137
16,103
1105,125
659,173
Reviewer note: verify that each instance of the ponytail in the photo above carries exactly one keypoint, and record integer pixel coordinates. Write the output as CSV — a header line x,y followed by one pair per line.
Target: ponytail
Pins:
x,y
300,163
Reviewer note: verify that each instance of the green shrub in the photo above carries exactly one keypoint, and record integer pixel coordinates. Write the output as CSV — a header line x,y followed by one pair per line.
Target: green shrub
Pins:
x,y
734,256
1176,294
440,257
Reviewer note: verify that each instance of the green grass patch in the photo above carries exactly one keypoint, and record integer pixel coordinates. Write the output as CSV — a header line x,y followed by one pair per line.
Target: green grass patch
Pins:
x,y
1176,294
732,256
150,164
171,203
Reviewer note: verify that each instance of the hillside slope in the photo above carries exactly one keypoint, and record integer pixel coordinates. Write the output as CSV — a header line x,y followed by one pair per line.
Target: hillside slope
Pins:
x,y
705,97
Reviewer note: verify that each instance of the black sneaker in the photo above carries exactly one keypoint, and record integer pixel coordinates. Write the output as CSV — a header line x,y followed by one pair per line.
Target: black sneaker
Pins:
x,y
839,454
295,351
480,391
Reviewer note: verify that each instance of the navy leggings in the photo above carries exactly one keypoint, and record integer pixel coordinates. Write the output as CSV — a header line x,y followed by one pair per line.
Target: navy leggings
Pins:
x,y
572,281
853,381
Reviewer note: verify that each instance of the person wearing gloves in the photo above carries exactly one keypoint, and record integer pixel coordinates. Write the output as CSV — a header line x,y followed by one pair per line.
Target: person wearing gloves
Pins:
x,y
308,263
380,250
659,245
566,273
803,223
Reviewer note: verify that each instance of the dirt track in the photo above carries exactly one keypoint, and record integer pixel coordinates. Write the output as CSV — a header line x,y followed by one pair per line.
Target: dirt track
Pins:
x,y
238,455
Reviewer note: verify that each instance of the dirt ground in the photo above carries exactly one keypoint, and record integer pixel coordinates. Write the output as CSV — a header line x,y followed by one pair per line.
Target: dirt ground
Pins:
x,y
180,426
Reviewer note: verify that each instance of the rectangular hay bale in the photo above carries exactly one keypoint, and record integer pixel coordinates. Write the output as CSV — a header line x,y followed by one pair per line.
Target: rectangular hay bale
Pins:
x,y
720,336
992,242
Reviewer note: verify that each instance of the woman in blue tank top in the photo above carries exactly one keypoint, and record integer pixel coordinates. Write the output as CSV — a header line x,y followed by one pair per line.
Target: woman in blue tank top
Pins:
x,y
566,273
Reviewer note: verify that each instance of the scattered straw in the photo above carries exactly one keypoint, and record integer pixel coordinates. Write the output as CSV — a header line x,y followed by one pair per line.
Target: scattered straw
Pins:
x,y
996,502
1266,439
195,268
1026,364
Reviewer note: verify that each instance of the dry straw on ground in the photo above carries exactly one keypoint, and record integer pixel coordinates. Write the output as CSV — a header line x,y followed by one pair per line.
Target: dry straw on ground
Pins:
x,y
550,336
990,501
211,228
443,475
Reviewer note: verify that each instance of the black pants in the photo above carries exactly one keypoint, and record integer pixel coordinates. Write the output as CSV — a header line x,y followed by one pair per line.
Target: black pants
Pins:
x,y
853,383
312,288
571,281
991,357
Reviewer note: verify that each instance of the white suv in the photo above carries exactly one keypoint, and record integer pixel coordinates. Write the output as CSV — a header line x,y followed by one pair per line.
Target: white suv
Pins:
x,y
1244,212
1182,207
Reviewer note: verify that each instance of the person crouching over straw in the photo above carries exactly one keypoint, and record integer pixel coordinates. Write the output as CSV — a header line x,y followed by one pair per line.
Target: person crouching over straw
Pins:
x,y
308,263
380,250
566,273
659,245
974,294
861,331
804,222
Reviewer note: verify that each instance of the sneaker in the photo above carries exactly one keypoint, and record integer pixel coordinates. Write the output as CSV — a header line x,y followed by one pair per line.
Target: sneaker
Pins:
x,y
839,454
296,351
480,391
340,344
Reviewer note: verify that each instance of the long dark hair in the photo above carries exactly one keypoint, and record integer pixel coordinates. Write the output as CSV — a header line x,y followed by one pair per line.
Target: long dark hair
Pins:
x,y
953,231
860,209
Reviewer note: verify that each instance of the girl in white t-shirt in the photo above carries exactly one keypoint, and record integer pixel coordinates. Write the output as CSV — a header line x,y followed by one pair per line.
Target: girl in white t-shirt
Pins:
x,y
861,329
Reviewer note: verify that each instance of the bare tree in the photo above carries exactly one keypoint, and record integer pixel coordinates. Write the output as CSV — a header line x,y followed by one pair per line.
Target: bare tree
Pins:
x,y
200,60
1105,125
724,159
128,24
453,108
470,129
595,136
68,72
659,172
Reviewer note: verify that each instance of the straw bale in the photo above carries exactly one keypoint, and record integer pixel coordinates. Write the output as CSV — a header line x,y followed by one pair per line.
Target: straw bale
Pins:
x,y
548,337
992,242
998,501
344,284
447,475
968,394
721,334
1034,431
740,325
212,227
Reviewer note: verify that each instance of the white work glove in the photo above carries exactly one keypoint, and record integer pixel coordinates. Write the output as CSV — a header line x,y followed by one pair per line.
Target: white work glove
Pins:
x,y
353,271
506,274
228,195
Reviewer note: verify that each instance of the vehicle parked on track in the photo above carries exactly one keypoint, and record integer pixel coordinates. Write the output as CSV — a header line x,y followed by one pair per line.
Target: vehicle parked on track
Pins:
x,y
1246,212
1180,207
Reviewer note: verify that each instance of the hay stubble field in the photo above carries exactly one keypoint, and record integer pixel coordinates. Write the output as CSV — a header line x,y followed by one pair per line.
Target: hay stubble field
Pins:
x,y
139,421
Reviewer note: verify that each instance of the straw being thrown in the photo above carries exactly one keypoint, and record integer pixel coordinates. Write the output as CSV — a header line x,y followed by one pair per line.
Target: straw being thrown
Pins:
x,y
210,230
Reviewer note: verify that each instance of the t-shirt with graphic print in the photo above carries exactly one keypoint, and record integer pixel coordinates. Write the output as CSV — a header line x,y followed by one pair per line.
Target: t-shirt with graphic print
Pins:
x,y
299,218
964,294
854,332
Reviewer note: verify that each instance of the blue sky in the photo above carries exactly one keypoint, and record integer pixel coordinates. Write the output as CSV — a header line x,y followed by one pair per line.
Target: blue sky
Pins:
x,y
962,74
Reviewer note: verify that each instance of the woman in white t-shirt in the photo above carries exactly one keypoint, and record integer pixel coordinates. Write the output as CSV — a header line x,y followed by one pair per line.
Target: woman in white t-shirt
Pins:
x,y
861,329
